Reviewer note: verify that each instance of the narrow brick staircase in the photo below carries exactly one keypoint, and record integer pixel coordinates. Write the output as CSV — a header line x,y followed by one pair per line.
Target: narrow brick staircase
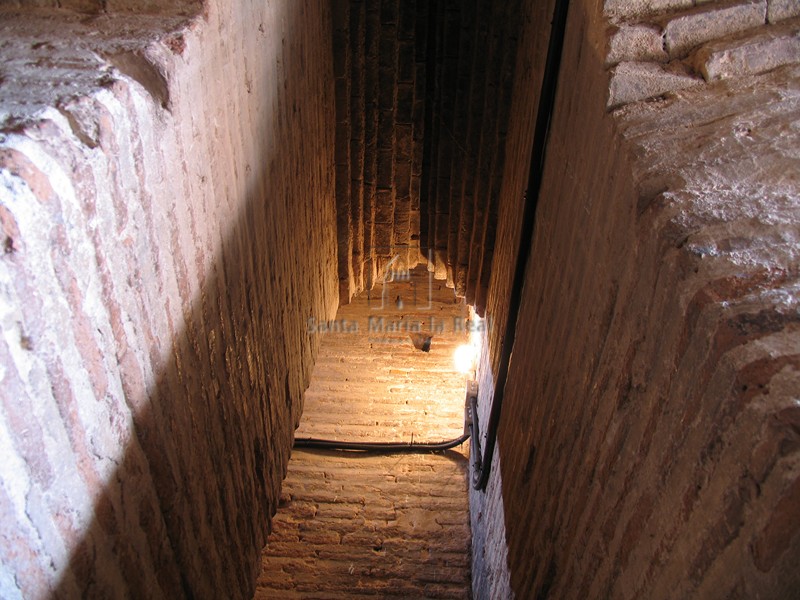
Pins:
x,y
352,525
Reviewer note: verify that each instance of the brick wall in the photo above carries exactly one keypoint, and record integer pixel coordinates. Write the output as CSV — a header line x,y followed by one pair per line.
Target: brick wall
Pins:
x,y
154,302
490,574
649,439
422,96
390,526
490,560
655,48
99,7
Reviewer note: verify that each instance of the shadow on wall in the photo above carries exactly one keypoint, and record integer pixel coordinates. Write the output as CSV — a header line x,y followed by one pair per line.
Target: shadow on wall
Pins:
x,y
490,575
649,432
193,358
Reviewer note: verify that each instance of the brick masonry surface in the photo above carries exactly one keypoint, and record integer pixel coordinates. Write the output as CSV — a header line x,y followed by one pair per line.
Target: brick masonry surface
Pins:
x,y
649,442
655,48
184,184
387,526
153,347
422,110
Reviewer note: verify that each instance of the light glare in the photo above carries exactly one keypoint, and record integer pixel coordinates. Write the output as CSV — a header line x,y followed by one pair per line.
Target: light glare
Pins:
x,y
464,358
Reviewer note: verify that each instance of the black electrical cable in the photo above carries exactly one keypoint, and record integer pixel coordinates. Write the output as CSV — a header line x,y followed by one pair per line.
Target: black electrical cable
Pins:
x,y
475,446
482,463
384,447
399,447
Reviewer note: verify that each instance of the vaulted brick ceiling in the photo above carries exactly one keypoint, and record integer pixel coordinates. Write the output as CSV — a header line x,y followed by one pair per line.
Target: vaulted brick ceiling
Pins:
x,y
423,91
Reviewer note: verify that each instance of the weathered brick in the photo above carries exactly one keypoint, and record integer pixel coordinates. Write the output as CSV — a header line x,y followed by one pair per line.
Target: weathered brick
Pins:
x,y
627,9
775,47
686,457
684,32
154,353
633,81
636,43
780,10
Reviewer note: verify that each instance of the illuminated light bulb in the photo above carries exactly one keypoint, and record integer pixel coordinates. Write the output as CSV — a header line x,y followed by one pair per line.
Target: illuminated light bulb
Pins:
x,y
464,358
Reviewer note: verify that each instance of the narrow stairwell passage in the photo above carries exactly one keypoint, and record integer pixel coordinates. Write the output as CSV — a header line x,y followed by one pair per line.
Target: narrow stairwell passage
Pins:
x,y
352,525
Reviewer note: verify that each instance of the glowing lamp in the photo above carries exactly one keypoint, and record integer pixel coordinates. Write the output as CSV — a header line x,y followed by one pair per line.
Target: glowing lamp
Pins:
x,y
464,358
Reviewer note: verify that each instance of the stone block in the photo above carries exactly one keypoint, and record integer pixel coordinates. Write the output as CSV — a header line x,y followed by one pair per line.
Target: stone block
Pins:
x,y
780,10
636,43
768,50
403,140
384,206
634,81
687,31
385,172
383,235
621,10
386,129
403,179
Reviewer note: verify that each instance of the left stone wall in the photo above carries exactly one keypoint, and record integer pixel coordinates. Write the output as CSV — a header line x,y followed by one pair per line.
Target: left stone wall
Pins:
x,y
168,226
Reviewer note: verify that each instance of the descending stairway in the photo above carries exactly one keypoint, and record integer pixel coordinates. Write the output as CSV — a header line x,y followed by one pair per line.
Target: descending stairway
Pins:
x,y
352,525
